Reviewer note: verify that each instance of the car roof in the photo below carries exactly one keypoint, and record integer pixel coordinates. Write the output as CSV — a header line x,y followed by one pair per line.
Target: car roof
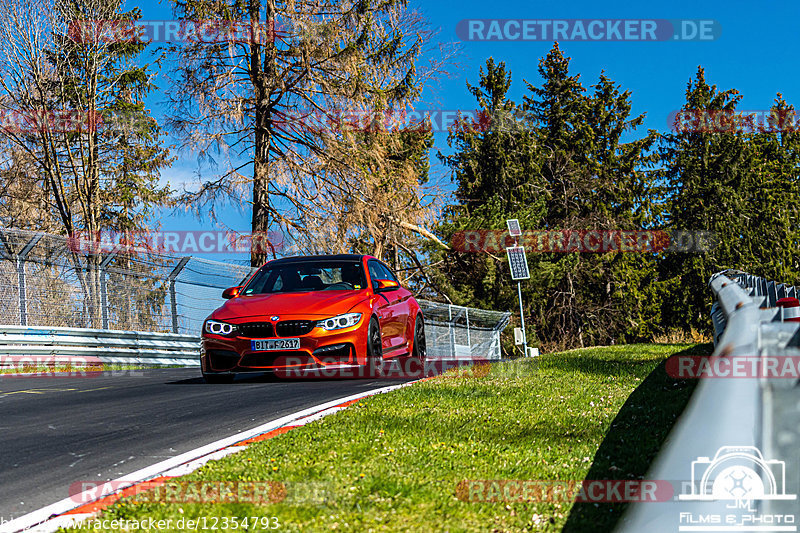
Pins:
x,y
317,258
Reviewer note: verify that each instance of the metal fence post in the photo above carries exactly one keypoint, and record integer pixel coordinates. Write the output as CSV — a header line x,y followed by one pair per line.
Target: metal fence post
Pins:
x,y
172,294
451,331
22,292
6,252
21,282
104,288
469,338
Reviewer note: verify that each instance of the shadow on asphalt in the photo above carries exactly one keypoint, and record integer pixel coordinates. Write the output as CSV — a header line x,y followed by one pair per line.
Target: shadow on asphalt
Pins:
x,y
634,439
251,378
270,378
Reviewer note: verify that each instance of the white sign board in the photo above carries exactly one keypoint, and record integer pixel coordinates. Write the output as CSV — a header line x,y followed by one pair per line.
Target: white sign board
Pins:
x,y
513,227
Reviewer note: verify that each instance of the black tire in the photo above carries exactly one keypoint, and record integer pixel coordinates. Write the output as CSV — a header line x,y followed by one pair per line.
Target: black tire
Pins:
x,y
419,351
374,346
416,366
218,378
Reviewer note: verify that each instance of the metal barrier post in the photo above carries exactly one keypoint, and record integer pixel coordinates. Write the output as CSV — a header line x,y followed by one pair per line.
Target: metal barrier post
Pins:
x,y
22,287
451,331
104,288
22,292
172,295
469,338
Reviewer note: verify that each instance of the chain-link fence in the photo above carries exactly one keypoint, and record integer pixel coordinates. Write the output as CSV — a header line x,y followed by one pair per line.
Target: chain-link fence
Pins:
x,y
45,280
459,332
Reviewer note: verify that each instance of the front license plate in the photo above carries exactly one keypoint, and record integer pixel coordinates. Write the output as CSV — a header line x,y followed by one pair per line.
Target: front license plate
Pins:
x,y
266,345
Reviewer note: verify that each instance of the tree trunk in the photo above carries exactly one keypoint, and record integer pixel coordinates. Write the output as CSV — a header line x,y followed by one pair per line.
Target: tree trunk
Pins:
x,y
260,221
262,79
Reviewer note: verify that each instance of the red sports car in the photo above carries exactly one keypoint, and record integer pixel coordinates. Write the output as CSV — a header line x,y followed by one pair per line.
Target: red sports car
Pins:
x,y
312,312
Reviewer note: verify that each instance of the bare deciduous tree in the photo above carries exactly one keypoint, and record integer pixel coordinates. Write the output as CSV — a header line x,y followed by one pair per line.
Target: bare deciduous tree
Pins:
x,y
250,100
369,194
60,82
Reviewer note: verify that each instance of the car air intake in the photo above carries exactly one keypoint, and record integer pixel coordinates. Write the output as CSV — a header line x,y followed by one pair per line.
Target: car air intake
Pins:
x,y
255,330
293,328
276,359
222,359
333,353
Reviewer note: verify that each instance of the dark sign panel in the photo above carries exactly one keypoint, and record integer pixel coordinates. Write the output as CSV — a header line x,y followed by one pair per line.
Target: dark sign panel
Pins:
x,y
518,263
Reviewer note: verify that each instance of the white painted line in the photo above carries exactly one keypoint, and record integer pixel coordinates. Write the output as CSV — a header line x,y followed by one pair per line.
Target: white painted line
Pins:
x,y
47,519
316,416
191,466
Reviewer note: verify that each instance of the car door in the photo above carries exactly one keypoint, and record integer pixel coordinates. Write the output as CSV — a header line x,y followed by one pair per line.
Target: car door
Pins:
x,y
401,309
391,307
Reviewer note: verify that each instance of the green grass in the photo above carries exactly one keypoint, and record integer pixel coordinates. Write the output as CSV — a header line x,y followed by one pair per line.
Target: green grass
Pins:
x,y
78,369
393,462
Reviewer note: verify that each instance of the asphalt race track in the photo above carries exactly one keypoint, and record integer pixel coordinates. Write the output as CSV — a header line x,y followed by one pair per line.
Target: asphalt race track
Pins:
x,y
57,431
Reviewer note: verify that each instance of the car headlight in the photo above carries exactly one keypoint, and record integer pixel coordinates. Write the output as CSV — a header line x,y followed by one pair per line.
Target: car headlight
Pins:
x,y
340,321
219,328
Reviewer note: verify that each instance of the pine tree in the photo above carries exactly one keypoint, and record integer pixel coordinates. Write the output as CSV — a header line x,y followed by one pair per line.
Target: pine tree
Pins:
x,y
771,233
708,174
495,169
559,163
595,182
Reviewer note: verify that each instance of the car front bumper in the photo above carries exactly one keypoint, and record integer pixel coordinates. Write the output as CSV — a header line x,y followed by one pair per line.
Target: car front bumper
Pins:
x,y
318,349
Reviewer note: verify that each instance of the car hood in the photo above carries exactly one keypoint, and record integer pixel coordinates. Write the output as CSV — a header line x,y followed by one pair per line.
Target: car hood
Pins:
x,y
312,303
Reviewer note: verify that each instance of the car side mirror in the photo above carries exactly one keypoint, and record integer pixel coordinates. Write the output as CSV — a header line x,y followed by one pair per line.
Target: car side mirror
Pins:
x,y
387,285
231,292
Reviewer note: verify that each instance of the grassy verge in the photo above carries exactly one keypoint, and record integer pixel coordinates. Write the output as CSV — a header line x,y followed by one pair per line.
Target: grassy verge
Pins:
x,y
394,462
47,370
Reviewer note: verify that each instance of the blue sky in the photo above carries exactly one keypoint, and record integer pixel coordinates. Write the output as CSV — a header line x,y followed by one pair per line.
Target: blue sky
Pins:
x,y
755,53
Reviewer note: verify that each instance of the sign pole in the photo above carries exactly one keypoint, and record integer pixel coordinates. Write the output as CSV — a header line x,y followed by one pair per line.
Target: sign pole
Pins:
x,y
522,319
518,264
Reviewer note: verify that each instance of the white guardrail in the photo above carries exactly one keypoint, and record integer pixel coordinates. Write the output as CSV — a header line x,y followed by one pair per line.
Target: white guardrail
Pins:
x,y
452,332
106,346
733,456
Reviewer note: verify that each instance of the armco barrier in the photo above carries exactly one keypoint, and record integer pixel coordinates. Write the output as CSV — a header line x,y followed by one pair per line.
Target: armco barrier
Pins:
x,y
452,332
715,446
107,346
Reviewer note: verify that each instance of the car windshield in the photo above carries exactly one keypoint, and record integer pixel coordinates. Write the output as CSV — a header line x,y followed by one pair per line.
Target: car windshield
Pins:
x,y
307,276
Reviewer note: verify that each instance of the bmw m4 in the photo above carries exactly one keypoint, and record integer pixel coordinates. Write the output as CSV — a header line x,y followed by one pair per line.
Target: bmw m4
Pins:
x,y
312,312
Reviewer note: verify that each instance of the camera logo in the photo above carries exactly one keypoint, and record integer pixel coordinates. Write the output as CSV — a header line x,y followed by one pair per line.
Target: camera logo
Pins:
x,y
738,473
